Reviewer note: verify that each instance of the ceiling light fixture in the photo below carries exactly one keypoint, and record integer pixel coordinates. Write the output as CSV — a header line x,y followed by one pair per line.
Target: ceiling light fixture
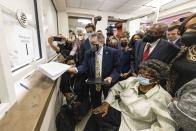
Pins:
x,y
84,21
157,3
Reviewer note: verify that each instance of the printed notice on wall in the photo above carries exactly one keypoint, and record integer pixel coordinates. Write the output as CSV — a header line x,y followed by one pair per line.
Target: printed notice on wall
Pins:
x,y
22,54
19,42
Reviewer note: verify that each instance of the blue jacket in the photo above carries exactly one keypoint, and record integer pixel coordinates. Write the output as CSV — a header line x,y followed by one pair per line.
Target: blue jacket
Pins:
x,y
110,64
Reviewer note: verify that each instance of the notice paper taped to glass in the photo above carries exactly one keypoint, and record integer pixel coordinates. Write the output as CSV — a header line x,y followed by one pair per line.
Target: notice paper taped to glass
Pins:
x,y
53,69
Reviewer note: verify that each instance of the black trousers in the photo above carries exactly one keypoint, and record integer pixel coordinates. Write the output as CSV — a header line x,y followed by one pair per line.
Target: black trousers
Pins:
x,y
96,95
67,118
110,122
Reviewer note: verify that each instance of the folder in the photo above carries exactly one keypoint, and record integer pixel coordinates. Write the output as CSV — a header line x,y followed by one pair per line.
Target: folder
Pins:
x,y
53,69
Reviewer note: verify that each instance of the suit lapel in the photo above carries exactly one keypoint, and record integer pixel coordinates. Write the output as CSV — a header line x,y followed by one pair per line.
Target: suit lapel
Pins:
x,y
104,59
92,62
156,49
142,50
88,45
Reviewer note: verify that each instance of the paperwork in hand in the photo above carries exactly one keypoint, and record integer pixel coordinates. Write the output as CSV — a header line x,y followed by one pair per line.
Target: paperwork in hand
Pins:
x,y
53,69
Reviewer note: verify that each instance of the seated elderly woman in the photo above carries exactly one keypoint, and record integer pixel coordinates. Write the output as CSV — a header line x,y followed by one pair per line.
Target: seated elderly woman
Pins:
x,y
136,104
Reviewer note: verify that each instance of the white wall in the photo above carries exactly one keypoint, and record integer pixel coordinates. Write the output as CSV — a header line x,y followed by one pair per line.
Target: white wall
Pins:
x,y
186,7
24,5
101,25
49,19
6,94
63,23
134,26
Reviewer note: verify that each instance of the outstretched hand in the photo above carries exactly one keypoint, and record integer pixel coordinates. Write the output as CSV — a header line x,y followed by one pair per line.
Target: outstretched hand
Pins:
x,y
72,70
108,79
103,109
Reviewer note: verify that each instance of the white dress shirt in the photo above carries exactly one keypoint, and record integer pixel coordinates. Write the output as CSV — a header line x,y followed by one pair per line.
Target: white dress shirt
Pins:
x,y
173,42
153,45
144,112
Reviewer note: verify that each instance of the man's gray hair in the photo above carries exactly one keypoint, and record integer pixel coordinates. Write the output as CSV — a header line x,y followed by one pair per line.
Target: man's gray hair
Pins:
x,y
100,37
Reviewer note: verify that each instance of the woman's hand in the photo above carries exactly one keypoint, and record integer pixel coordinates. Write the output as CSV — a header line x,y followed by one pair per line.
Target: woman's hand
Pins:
x,y
125,75
68,96
50,40
108,79
134,74
174,99
103,109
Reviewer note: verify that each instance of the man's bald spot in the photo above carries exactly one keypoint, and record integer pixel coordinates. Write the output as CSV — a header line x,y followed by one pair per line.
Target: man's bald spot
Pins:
x,y
159,28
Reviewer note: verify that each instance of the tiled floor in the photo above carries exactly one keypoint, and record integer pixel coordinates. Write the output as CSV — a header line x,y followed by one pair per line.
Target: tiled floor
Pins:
x,y
80,126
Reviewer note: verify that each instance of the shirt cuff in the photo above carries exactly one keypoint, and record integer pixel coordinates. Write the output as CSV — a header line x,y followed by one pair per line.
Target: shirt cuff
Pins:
x,y
76,70
110,98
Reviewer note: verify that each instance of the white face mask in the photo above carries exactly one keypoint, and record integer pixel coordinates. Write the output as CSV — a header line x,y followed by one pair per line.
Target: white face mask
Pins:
x,y
80,37
143,81
87,35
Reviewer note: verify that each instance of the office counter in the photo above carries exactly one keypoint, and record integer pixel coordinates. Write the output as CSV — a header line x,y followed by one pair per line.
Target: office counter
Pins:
x,y
37,110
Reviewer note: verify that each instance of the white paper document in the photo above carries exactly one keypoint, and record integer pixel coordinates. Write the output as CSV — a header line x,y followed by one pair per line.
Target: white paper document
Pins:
x,y
53,69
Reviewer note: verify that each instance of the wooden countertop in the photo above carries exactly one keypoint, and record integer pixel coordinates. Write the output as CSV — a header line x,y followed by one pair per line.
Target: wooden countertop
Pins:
x,y
28,114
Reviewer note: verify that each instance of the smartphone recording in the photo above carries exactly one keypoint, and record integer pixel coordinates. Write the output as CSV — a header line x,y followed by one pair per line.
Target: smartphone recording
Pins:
x,y
55,38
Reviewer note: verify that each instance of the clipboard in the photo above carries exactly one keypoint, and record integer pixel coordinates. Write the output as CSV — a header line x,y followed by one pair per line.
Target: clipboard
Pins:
x,y
98,81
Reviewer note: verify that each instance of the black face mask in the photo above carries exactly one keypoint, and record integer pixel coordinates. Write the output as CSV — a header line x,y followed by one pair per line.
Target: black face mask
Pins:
x,y
150,38
95,47
123,44
112,45
189,38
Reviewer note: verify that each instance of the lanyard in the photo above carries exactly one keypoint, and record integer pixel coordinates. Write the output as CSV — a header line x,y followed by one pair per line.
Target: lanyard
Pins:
x,y
72,86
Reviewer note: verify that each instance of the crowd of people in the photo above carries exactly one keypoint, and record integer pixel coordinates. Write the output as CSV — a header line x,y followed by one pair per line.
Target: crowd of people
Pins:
x,y
143,83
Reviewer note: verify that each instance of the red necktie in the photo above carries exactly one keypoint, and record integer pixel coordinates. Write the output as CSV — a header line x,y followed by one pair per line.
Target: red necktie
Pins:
x,y
146,52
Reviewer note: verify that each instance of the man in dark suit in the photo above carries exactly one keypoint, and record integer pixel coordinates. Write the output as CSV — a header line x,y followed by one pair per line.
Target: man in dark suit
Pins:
x,y
152,46
100,63
173,36
86,44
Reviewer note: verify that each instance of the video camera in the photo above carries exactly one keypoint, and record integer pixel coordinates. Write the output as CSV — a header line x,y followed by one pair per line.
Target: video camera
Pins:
x,y
97,18
110,30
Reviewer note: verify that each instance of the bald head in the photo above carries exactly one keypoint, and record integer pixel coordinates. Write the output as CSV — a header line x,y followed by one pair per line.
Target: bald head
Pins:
x,y
158,29
155,32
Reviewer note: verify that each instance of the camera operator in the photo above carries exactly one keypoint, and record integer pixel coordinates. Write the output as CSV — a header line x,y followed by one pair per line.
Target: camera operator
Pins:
x,y
99,32
113,42
75,44
109,34
96,19
64,46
